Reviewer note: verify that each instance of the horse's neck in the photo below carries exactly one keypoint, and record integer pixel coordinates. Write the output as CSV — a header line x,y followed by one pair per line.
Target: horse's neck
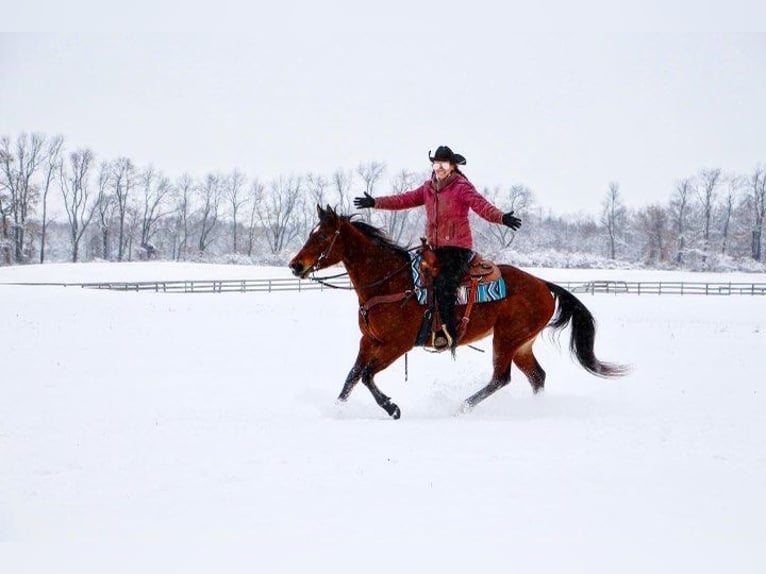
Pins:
x,y
373,268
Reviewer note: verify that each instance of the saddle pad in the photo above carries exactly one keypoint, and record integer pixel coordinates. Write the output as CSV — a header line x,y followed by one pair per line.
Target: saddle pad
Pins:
x,y
486,292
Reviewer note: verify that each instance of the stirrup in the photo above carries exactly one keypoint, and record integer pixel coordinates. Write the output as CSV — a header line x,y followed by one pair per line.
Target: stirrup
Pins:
x,y
441,340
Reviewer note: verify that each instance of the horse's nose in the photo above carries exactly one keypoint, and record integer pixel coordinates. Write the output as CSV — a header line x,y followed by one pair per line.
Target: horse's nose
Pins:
x,y
297,268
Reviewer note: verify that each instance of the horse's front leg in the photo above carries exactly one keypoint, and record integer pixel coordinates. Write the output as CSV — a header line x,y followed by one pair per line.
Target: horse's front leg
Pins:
x,y
384,401
366,375
372,358
362,360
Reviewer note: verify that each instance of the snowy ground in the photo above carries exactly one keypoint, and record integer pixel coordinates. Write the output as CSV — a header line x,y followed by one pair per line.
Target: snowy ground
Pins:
x,y
169,432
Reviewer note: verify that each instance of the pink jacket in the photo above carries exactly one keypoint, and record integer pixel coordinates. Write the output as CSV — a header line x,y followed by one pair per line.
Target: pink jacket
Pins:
x,y
446,210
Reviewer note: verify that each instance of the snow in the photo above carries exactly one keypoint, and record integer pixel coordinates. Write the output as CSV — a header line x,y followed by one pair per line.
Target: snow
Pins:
x,y
169,432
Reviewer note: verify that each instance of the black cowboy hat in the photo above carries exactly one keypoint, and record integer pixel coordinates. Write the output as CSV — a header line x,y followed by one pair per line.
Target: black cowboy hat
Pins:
x,y
443,153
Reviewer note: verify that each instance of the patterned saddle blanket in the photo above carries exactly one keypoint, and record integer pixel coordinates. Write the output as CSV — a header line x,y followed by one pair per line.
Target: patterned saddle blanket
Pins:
x,y
491,286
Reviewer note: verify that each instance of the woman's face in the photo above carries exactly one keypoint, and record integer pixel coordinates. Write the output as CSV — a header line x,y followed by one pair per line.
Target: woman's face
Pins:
x,y
442,169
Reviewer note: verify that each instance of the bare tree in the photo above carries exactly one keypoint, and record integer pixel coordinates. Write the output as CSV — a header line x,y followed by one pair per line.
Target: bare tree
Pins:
x,y
210,192
342,181
19,164
316,186
706,195
613,217
234,190
256,199
105,207
729,201
74,187
519,199
52,167
652,223
276,209
132,229
5,209
370,173
123,181
680,209
756,204
156,189
183,196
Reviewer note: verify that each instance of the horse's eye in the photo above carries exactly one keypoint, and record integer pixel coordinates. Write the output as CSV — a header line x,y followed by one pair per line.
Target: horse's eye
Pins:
x,y
321,234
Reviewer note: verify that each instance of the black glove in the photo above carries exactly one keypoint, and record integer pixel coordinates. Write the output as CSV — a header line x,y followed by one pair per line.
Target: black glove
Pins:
x,y
366,201
511,221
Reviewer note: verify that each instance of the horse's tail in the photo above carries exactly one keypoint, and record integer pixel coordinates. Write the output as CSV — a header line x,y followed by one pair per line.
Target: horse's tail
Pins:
x,y
571,309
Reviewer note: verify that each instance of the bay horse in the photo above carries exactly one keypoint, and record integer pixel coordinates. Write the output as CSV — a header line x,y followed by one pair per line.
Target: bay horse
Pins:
x,y
379,268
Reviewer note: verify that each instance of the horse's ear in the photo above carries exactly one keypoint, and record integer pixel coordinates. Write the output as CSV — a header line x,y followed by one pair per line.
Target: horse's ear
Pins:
x,y
330,210
326,215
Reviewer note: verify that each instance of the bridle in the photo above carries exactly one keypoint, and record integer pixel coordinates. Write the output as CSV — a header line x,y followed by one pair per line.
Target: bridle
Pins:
x,y
325,280
327,251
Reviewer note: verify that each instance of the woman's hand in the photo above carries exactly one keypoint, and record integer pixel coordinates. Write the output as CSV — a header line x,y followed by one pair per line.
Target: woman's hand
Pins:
x,y
366,201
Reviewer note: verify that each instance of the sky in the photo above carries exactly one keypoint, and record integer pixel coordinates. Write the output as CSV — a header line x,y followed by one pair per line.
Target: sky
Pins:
x,y
563,113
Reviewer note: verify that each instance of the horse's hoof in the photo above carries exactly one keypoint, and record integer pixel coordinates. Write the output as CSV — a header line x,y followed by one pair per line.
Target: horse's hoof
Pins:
x,y
466,407
393,411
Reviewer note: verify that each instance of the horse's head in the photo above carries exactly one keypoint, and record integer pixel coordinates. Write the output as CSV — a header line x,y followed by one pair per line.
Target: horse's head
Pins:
x,y
321,248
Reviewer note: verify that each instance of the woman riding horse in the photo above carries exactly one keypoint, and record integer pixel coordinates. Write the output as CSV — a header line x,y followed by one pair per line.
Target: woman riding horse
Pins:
x,y
447,197
390,316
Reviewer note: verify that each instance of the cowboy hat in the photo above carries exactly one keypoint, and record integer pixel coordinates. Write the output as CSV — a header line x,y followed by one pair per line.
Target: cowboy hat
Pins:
x,y
443,153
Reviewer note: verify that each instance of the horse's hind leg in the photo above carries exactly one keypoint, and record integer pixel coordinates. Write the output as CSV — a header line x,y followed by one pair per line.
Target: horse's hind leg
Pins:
x,y
527,363
501,376
483,393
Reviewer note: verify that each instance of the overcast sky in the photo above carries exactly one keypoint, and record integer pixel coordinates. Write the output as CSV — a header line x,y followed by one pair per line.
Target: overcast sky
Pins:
x,y
564,114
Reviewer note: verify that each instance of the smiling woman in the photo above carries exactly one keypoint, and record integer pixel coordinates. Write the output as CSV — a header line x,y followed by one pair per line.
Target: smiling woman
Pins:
x,y
447,197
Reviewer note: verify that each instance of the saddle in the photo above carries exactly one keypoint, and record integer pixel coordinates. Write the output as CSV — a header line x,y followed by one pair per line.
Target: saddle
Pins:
x,y
480,271
480,268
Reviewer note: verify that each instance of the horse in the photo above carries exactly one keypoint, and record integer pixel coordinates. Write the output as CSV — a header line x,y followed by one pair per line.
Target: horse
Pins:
x,y
390,318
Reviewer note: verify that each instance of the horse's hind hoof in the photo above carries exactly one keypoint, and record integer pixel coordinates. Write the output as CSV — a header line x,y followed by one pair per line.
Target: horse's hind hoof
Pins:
x,y
466,407
393,410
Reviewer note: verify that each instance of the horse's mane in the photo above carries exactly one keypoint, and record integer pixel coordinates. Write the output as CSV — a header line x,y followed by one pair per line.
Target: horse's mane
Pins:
x,y
379,236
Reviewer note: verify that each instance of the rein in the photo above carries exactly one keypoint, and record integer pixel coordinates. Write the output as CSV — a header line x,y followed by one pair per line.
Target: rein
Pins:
x,y
324,280
364,308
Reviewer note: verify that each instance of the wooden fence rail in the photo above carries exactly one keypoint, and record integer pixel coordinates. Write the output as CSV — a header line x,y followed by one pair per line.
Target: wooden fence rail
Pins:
x,y
206,285
294,284
668,288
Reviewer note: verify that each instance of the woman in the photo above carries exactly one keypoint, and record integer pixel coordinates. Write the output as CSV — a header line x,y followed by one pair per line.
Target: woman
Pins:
x,y
447,197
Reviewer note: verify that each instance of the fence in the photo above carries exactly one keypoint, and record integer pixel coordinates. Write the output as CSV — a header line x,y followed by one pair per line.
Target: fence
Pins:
x,y
667,288
294,284
208,286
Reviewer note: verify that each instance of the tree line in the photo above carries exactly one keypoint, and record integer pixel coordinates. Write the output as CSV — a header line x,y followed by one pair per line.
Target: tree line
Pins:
x,y
114,210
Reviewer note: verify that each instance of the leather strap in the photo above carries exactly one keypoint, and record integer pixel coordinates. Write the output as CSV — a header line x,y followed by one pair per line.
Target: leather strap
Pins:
x,y
472,295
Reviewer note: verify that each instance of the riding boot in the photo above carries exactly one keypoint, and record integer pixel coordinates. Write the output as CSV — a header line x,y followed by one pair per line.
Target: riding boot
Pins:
x,y
453,262
446,337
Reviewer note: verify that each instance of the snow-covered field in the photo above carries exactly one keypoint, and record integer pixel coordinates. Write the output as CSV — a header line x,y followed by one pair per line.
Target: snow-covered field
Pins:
x,y
144,432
